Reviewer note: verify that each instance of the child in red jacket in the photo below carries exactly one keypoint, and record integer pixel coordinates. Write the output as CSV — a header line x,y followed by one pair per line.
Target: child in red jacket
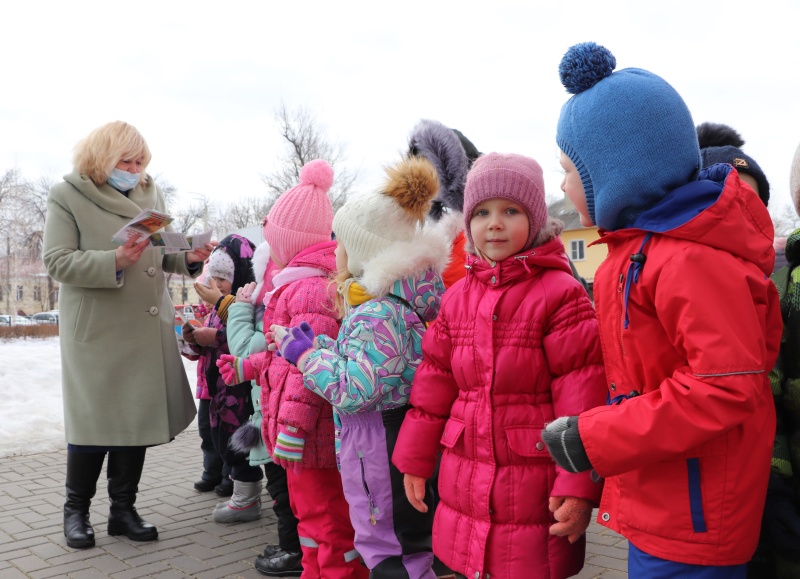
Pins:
x,y
515,345
689,320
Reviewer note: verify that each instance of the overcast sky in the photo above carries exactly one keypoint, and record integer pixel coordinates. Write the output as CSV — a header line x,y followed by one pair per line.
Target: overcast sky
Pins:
x,y
202,80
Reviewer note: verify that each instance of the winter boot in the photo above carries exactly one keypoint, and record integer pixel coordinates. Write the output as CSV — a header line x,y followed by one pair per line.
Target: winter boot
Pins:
x,y
124,472
280,564
244,505
83,470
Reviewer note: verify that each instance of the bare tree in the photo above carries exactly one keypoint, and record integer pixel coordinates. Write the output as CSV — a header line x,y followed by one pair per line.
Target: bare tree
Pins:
x,y
240,214
784,219
169,191
305,141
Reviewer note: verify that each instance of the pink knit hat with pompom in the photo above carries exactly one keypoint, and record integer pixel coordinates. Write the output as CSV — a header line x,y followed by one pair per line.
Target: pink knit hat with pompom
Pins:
x,y
302,216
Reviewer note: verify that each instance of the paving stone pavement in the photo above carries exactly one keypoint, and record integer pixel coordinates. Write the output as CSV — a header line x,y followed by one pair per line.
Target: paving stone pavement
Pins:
x,y
190,543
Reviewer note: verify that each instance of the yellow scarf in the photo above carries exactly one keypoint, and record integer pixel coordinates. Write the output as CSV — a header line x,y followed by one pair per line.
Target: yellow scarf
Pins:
x,y
355,294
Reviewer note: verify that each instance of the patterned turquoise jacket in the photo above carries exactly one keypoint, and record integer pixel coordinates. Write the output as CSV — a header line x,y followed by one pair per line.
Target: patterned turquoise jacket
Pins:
x,y
371,365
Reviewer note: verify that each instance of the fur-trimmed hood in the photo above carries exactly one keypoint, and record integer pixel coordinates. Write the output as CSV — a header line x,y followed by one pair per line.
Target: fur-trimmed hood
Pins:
x,y
428,251
260,261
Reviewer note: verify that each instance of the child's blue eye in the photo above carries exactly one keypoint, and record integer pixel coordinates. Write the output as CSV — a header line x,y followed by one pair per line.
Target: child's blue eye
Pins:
x,y
481,213
512,211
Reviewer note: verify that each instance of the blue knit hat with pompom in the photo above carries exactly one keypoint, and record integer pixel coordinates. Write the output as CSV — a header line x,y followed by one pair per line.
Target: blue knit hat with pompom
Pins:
x,y
629,134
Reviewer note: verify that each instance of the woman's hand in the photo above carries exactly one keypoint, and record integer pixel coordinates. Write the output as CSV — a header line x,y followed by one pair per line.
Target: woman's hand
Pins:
x,y
208,293
202,253
130,253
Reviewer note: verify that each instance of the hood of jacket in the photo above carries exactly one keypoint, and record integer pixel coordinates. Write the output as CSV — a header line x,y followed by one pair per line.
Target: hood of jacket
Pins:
x,y
718,210
320,256
143,196
428,251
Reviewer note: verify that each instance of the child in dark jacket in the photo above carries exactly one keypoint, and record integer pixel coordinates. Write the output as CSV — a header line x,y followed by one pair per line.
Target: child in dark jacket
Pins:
x,y
689,322
229,268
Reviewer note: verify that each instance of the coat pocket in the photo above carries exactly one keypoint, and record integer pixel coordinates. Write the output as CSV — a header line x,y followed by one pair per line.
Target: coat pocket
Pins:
x,y
526,441
82,319
453,431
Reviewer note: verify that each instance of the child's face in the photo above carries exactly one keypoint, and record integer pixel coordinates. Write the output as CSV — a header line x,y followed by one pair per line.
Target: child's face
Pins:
x,y
499,228
572,186
341,257
223,285
275,260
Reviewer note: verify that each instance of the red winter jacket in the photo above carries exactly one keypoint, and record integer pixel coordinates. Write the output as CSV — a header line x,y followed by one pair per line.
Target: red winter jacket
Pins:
x,y
284,399
513,347
687,461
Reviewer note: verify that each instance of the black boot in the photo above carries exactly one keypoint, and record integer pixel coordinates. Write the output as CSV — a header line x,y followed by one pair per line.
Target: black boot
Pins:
x,y
124,472
83,470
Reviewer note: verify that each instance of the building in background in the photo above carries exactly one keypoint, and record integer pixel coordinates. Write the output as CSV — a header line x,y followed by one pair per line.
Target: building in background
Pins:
x,y
577,238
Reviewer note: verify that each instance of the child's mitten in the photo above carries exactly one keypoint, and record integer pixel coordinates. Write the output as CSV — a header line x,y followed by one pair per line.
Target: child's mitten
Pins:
x,y
235,370
573,516
288,451
564,444
205,336
187,333
297,341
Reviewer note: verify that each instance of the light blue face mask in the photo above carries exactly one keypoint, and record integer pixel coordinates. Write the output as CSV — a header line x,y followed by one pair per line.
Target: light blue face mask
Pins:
x,y
122,180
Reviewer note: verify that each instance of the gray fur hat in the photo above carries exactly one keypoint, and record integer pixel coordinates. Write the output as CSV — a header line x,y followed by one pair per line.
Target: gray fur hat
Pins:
x,y
444,149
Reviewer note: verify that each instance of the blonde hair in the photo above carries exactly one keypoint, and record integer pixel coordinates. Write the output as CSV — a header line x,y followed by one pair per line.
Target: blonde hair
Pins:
x,y
338,283
98,154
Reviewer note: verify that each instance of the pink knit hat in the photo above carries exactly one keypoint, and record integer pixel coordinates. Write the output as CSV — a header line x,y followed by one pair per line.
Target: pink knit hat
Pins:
x,y
302,216
497,176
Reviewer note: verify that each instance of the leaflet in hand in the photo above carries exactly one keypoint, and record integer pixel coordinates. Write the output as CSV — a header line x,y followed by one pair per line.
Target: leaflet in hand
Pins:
x,y
149,223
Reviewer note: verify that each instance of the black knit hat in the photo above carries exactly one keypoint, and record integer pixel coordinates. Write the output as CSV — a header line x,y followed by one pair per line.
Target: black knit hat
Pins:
x,y
720,144
240,249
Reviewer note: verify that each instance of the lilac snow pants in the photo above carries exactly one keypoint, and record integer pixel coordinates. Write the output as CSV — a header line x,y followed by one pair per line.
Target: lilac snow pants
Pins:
x,y
392,537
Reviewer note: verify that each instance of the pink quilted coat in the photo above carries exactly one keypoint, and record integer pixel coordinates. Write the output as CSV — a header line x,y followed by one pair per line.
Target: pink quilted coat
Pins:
x,y
284,399
514,346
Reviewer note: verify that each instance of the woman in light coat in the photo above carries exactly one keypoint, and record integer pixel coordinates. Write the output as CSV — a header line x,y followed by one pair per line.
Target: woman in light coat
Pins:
x,y
123,380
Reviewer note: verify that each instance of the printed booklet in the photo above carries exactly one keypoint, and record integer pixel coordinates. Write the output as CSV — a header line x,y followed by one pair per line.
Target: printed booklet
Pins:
x,y
149,224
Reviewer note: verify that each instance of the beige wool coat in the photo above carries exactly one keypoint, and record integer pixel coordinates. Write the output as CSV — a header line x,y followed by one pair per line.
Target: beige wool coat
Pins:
x,y
123,379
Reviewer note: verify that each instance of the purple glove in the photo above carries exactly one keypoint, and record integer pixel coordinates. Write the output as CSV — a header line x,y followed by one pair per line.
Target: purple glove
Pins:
x,y
298,341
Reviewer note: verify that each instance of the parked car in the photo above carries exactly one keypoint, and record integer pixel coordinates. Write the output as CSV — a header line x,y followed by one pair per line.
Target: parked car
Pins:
x,y
8,320
46,317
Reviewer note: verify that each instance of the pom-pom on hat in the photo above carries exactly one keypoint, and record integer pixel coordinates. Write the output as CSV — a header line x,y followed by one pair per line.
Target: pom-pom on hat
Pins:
x,y
629,134
514,177
721,144
302,216
370,224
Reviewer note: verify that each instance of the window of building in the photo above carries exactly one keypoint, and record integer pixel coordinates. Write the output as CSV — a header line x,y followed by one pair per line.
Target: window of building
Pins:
x,y
37,293
19,293
577,249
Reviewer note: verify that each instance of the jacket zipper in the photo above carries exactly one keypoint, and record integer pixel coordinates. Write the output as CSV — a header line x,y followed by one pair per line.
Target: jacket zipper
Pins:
x,y
621,295
372,520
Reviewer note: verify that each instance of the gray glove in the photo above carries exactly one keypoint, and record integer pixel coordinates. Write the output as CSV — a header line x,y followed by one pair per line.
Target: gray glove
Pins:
x,y
564,444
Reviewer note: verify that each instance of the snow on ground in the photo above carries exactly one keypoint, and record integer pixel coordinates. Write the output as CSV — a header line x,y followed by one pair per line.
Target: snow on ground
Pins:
x,y
31,416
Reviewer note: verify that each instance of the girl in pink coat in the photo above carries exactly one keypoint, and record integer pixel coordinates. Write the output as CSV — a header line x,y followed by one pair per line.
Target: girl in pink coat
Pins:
x,y
297,424
515,345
